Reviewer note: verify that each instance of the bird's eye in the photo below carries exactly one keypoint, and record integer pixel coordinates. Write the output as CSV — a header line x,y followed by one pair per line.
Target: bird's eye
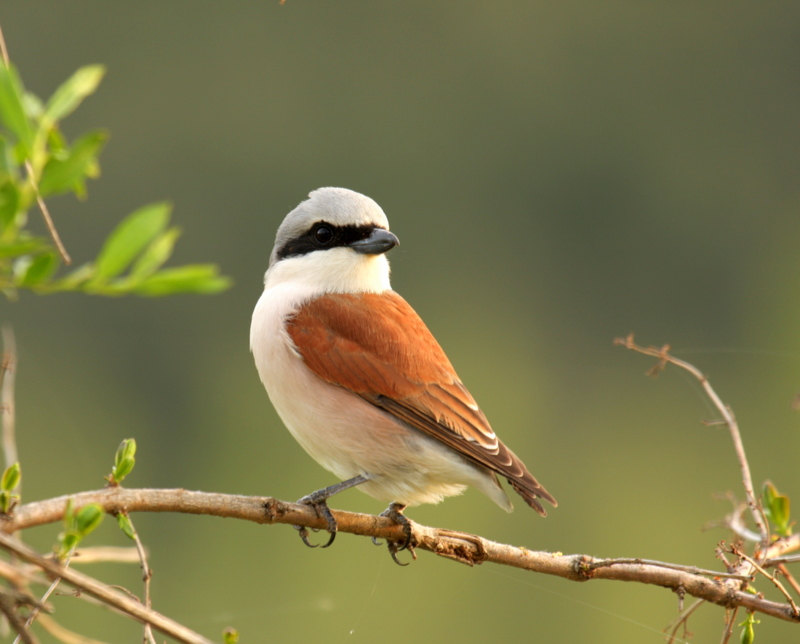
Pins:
x,y
323,234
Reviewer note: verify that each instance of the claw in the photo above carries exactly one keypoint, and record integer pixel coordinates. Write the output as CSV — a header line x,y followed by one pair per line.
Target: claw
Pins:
x,y
393,550
395,513
303,532
323,512
318,501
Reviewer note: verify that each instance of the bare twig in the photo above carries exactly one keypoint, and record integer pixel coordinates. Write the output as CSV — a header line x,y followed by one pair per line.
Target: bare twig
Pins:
x,y
730,622
17,624
64,634
789,578
48,220
774,561
3,49
772,578
664,357
35,612
147,574
10,601
103,554
735,522
682,620
458,546
693,570
8,377
103,592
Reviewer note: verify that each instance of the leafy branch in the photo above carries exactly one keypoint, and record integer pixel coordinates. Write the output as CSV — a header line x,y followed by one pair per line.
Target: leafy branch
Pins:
x,y
37,161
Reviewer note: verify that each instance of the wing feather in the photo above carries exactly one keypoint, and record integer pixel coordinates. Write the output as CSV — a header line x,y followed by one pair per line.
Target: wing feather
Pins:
x,y
376,346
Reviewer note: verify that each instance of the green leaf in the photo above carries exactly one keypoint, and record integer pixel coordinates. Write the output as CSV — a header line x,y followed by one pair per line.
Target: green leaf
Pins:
x,y
12,112
32,105
88,518
11,477
10,480
129,238
124,460
9,205
7,165
194,278
156,254
777,507
70,94
63,175
748,635
68,541
124,468
59,148
39,269
126,526
126,449
23,245
8,501
74,280
69,515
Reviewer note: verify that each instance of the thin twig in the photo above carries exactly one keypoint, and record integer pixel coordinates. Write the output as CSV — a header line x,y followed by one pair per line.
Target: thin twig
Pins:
x,y
693,570
48,220
20,576
105,554
682,620
18,625
10,600
772,578
147,574
774,561
64,634
730,622
104,592
3,49
789,578
459,546
9,369
727,414
35,612
735,522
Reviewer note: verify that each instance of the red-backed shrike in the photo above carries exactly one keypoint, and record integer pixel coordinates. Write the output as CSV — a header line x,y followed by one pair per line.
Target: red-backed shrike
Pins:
x,y
358,378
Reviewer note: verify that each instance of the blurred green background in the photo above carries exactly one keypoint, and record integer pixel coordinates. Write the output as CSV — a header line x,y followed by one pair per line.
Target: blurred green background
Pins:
x,y
558,173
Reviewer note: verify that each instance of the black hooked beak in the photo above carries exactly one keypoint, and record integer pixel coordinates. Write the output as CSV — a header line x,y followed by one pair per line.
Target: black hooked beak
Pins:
x,y
379,241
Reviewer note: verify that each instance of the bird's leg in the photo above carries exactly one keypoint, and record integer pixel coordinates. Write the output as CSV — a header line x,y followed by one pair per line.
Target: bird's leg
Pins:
x,y
395,513
318,501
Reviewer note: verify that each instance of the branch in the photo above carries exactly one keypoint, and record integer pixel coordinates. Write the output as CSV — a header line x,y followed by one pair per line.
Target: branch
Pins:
x,y
8,373
105,593
462,547
727,415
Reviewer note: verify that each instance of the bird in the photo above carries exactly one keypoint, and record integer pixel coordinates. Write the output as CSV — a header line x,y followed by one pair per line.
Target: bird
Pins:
x,y
357,377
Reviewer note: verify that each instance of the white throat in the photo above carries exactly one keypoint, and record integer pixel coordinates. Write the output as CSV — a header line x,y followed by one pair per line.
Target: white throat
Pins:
x,y
337,270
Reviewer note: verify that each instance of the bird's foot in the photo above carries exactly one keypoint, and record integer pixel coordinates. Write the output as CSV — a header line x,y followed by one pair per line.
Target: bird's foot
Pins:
x,y
395,513
320,505
318,501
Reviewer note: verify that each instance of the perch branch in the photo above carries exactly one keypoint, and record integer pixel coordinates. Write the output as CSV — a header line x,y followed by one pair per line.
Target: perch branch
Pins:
x,y
458,546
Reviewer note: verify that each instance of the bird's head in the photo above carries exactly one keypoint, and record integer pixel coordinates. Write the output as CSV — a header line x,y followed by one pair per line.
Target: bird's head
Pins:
x,y
334,242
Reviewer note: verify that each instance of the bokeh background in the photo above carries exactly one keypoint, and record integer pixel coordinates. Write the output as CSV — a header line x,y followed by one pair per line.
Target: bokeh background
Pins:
x,y
559,174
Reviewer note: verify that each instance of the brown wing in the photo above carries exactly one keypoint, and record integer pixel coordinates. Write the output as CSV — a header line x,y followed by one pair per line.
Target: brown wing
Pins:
x,y
376,346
